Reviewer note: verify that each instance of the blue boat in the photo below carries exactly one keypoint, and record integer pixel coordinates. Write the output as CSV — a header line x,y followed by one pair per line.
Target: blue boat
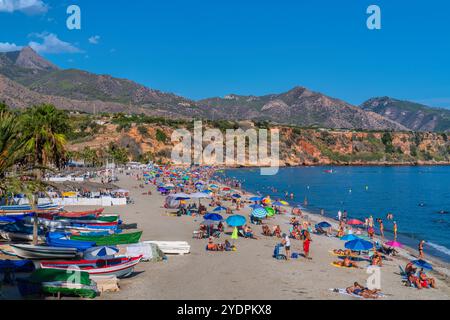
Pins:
x,y
17,209
59,240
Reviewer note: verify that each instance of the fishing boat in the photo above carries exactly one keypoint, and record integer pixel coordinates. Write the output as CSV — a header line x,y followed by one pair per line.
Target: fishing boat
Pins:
x,y
60,240
120,267
54,281
81,214
172,247
112,239
19,231
28,251
23,209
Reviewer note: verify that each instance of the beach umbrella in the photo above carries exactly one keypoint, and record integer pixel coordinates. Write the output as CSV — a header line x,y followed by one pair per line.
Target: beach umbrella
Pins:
x,y
99,252
236,221
213,217
162,189
226,189
213,186
237,196
349,237
285,203
219,208
259,213
394,244
323,225
422,264
359,245
255,199
182,198
277,203
254,206
199,195
270,211
354,222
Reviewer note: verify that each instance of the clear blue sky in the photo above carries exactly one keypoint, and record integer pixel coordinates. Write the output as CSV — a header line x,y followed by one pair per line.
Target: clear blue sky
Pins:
x,y
204,48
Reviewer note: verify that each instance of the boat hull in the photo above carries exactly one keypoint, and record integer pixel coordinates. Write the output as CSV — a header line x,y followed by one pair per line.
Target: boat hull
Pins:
x,y
42,252
123,267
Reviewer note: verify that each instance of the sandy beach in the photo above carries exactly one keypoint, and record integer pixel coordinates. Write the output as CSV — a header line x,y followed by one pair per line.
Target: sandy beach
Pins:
x,y
250,272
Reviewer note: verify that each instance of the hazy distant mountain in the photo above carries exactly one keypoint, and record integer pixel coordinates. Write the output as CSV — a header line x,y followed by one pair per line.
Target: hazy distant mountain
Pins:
x,y
412,115
30,79
298,106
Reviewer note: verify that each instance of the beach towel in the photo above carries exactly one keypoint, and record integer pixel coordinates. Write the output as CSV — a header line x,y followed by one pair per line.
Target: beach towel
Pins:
x,y
344,292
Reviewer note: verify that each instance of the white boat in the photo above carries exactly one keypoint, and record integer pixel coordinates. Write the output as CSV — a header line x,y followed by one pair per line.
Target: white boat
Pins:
x,y
12,236
172,247
28,251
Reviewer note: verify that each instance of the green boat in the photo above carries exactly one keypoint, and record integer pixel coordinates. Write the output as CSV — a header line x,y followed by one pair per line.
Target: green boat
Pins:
x,y
112,239
54,281
99,218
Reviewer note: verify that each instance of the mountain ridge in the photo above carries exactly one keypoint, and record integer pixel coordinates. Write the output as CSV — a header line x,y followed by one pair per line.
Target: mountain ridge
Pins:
x,y
413,115
40,80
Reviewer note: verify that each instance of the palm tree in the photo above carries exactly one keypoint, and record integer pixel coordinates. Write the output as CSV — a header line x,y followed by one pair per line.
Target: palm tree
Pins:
x,y
15,176
44,128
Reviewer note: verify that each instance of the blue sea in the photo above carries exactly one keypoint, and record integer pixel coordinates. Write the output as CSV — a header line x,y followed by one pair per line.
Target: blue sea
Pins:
x,y
415,195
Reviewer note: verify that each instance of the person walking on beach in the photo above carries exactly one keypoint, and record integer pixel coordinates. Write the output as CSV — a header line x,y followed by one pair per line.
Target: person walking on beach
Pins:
x,y
287,245
340,215
421,243
381,229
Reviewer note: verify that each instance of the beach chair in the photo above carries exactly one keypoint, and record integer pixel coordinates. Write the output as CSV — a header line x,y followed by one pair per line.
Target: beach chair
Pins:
x,y
276,253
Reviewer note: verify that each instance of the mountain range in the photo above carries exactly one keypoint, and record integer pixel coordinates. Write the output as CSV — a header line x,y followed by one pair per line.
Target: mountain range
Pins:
x,y
26,78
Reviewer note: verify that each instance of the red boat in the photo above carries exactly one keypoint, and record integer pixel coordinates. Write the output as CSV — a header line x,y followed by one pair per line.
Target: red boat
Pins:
x,y
72,214
81,214
120,267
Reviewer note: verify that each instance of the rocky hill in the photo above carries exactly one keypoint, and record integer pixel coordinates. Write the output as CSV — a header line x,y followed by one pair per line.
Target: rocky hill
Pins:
x,y
298,146
412,115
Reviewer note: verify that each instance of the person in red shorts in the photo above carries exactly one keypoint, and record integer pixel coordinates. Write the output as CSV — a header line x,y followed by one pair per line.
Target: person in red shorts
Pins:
x,y
306,244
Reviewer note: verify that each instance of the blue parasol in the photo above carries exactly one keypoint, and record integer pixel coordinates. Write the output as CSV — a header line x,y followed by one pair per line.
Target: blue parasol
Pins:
x,y
422,264
350,237
219,208
213,217
323,225
359,245
255,199
236,221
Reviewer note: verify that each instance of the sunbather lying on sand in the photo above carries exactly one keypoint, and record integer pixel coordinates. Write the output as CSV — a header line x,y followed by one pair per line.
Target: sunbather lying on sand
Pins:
x,y
359,290
347,263
343,252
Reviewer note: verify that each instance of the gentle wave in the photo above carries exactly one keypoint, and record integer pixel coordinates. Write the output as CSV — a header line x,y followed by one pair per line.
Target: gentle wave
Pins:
x,y
439,248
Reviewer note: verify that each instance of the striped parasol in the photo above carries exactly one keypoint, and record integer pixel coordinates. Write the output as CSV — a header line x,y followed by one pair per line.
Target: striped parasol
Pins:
x,y
259,213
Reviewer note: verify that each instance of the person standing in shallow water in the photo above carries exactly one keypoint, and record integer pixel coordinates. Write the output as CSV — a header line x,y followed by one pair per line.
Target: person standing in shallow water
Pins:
x,y
382,229
395,230
421,243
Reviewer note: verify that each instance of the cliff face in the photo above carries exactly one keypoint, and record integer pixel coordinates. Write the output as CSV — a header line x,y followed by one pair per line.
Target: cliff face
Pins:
x,y
297,146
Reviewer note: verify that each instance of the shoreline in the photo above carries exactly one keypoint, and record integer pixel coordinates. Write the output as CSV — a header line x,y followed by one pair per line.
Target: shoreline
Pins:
x,y
407,253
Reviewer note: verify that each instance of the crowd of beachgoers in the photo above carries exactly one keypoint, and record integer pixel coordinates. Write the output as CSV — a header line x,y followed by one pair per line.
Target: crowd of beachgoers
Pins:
x,y
220,203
